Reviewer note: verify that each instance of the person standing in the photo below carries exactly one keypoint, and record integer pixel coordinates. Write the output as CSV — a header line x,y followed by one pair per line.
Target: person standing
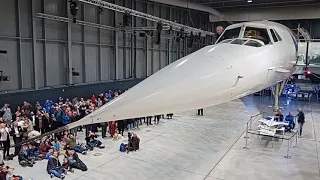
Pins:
x,y
5,139
200,112
17,138
121,126
7,116
301,120
219,31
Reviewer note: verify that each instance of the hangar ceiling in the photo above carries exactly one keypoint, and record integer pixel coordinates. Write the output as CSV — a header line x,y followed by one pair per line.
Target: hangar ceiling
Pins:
x,y
236,4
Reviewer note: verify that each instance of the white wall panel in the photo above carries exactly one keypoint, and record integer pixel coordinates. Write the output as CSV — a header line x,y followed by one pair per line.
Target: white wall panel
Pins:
x,y
56,64
77,59
163,60
140,41
91,63
56,30
9,65
141,63
120,64
155,59
25,21
107,63
107,18
8,18
128,63
26,60
76,35
40,64
56,7
107,37
149,63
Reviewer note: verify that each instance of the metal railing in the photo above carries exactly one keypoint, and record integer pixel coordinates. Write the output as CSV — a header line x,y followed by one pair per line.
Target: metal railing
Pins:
x,y
261,115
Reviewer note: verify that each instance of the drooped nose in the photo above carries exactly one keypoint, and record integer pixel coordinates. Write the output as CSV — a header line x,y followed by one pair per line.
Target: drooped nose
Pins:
x,y
191,82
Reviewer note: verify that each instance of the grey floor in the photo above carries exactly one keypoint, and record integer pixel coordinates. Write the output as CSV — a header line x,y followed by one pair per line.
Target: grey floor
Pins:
x,y
209,147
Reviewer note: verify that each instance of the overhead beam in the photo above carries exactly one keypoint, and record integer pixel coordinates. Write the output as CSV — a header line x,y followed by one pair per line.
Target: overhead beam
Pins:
x,y
132,12
100,26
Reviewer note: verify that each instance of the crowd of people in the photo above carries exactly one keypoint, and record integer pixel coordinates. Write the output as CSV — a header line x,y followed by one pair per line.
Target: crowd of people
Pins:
x,y
30,121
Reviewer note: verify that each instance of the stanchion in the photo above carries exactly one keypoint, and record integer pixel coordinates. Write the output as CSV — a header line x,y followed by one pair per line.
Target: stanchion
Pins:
x,y
288,156
246,147
296,146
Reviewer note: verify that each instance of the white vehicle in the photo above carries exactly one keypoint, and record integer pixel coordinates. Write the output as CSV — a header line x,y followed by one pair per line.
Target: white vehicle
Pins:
x,y
247,58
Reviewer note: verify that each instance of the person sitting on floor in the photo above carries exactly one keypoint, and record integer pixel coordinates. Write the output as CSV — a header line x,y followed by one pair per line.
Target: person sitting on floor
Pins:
x,y
33,153
74,161
45,147
24,159
93,142
290,118
169,116
72,144
117,136
7,174
56,145
135,141
54,167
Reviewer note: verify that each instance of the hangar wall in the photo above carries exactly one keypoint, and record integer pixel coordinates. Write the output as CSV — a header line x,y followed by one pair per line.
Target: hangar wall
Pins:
x,y
37,49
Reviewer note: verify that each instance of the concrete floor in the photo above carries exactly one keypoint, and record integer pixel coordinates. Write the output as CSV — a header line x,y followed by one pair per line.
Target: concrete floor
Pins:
x,y
209,147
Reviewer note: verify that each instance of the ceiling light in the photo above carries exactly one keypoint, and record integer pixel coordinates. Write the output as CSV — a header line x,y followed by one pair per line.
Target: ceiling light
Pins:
x,y
249,1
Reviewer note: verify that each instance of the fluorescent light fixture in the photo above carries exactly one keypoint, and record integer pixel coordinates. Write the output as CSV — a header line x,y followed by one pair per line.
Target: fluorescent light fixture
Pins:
x,y
249,1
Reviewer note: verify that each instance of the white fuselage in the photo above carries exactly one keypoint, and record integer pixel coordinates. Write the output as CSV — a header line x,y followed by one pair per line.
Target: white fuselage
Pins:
x,y
207,77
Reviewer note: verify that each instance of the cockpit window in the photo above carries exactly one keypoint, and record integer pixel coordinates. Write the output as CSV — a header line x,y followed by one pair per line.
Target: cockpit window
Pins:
x,y
274,37
257,33
253,43
239,41
278,36
226,41
230,34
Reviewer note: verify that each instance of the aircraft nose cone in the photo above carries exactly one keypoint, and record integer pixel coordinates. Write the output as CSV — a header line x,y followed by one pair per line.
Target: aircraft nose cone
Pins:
x,y
180,85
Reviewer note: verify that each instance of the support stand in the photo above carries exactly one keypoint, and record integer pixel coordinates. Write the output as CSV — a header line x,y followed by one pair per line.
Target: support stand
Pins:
x,y
288,156
296,146
246,147
277,93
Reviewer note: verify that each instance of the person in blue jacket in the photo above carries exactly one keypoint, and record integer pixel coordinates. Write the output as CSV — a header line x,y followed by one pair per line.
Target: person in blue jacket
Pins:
x,y
48,105
290,118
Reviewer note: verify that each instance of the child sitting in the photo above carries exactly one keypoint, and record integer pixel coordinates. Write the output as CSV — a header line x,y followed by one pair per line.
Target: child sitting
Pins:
x,y
54,167
93,142
24,159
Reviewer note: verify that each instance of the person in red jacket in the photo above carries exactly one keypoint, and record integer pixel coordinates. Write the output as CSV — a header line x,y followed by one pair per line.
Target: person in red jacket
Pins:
x,y
112,128
45,147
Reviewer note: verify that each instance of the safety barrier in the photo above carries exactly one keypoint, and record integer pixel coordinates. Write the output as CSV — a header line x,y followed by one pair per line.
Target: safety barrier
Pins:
x,y
254,131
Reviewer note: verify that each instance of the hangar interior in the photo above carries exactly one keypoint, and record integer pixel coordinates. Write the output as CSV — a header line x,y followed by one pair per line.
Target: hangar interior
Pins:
x,y
45,55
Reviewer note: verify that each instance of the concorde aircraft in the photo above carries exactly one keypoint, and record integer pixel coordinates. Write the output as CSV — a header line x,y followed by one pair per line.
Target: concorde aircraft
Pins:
x,y
246,58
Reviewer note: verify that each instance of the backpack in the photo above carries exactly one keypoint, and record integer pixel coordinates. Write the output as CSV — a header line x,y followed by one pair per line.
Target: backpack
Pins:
x,y
122,147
